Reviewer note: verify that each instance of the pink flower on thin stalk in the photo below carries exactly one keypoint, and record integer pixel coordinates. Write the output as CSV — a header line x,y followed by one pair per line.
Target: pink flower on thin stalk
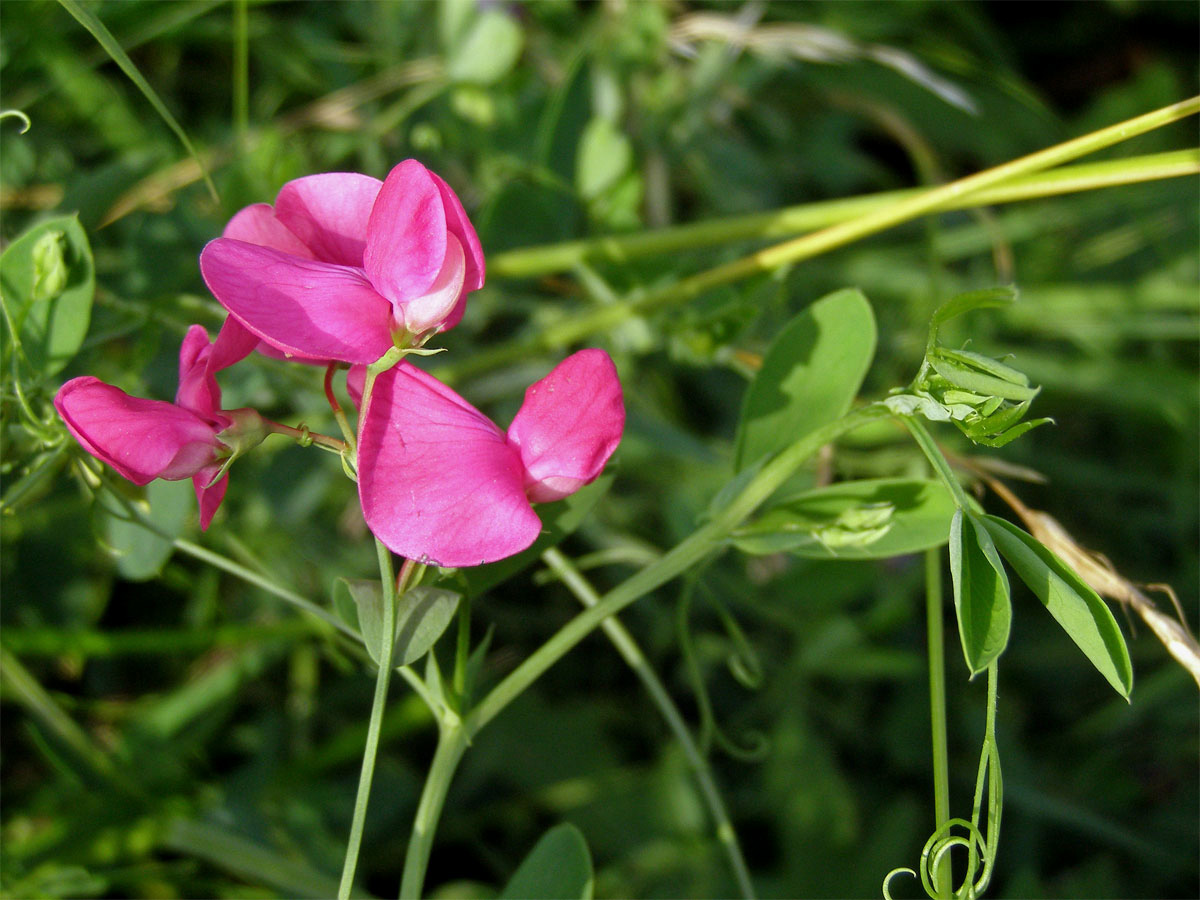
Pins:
x,y
148,439
440,483
344,265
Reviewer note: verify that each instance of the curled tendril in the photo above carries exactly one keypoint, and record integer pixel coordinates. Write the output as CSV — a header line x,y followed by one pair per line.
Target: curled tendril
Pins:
x,y
16,114
981,849
755,745
887,879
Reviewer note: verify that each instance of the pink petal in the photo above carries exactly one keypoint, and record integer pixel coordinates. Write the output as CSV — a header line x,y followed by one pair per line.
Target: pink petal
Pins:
x,y
258,224
329,214
303,307
569,425
436,478
198,389
141,439
430,311
406,237
209,494
460,226
233,344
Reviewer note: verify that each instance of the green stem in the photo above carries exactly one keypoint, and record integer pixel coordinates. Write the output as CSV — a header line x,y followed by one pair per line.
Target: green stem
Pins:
x,y
304,436
633,656
691,550
528,262
382,679
452,742
937,705
792,251
251,577
936,459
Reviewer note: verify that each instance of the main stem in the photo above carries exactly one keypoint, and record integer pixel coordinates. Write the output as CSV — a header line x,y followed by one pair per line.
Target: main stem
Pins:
x,y
935,632
452,742
373,727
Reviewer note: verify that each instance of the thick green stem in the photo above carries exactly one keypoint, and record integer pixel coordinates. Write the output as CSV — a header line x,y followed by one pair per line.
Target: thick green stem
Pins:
x,y
936,459
935,632
633,656
452,741
377,706
792,220
680,558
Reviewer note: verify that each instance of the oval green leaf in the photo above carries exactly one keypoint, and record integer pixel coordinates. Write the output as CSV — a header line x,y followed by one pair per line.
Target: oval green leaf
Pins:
x,y
604,156
1085,618
425,612
981,594
489,50
870,519
141,551
48,280
809,377
558,867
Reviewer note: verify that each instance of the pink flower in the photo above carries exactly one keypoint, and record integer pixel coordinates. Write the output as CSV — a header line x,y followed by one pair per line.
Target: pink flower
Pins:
x,y
439,482
344,264
148,439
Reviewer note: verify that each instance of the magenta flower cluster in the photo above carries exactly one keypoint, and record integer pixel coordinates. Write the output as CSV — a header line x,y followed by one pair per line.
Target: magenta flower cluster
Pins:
x,y
341,270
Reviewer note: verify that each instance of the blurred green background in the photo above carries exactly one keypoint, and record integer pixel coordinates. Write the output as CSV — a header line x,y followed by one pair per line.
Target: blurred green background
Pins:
x,y
237,724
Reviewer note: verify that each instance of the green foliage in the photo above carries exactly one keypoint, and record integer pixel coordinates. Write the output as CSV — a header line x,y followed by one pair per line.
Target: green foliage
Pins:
x,y
875,518
981,593
558,866
47,280
423,613
1074,605
233,724
810,375
143,544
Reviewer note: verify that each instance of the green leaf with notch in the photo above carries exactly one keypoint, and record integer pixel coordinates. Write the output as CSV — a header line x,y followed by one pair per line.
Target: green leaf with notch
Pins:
x,y
423,614
981,594
558,867
48,281
809,377
919,514
1086,618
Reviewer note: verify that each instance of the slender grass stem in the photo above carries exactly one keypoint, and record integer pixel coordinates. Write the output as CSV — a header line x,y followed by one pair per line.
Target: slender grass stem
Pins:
x,y
528,262
383,677
789,252
633,656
